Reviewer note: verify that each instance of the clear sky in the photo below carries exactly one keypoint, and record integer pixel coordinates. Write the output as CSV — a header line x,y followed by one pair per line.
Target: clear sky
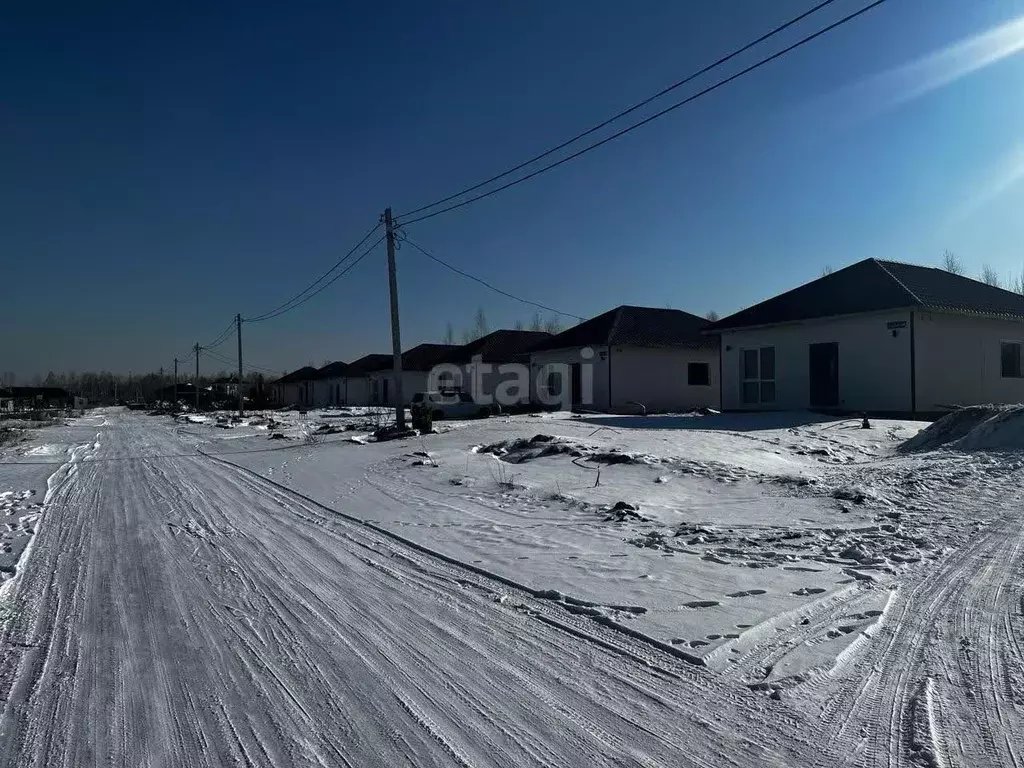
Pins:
x,y
168,164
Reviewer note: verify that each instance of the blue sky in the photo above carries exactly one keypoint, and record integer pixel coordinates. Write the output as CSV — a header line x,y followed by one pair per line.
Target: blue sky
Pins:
x,y
166,165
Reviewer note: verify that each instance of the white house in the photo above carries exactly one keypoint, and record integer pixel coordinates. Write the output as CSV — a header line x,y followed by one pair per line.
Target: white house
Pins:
x,y
416,366
877,336
295,388
359,375
330,385
629,359
481,366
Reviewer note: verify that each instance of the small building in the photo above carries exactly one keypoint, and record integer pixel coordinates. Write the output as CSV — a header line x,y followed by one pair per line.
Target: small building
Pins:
x,y
877,336
295,388
417,364
330,388
226,386
629,359
358,389
14,399
487,367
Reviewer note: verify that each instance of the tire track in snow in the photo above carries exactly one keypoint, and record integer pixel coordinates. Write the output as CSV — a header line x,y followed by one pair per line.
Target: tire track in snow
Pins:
x,y
178,613
949,627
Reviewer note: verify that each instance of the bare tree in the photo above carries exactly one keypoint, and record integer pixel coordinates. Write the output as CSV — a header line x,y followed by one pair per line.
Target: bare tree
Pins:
x,y
536,324
989,276
951,262
449,333
519,326
712,316
1016,284
827,270
480,327
553,324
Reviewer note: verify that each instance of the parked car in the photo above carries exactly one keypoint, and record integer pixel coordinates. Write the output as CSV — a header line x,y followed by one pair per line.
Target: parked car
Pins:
x,y
451,405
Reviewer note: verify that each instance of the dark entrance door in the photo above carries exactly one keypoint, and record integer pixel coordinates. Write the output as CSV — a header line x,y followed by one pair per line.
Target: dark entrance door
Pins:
x,y
824,374
575,385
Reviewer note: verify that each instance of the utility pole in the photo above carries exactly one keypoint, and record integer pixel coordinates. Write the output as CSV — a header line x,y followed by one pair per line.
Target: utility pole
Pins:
x,y
396,334
241,397
174,405
196,385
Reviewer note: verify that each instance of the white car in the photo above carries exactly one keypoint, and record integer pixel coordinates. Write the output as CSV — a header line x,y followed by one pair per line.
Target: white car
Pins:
x,y
451,405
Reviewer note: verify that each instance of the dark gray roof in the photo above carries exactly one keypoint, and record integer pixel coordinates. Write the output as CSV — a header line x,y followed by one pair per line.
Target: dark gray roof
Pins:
x,y
503,346
332,370
875,285
369,364
425,356
634,326
302,374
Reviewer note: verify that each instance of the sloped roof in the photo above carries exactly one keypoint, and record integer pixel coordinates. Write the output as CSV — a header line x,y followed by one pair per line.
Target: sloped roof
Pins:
x,y
332,370
425,356
305,373
502,346
634,326
369,364
875,285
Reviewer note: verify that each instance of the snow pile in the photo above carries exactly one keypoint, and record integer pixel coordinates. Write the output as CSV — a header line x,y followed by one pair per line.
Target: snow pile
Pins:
x,y
18,515
976,428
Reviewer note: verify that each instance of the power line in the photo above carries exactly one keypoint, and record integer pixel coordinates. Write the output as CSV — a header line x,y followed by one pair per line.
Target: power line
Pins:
x,y
284,307
253,366
484,283
803,41
341,274
221,338
629,110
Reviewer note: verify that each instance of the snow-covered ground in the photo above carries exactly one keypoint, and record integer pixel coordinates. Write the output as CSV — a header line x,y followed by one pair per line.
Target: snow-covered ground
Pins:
x,y
765,589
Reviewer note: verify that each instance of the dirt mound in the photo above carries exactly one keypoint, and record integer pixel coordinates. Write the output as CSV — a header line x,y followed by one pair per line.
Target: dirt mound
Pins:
x,y
975,428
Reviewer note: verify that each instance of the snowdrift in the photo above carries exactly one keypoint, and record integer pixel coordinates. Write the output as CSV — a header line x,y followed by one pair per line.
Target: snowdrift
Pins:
x,y
975,428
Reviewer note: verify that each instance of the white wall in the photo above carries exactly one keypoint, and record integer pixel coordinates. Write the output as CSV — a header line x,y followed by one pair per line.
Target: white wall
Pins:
x,y
654,376
329,392
412,382
874,365
358,389
482,383
958,360
598,372
657,378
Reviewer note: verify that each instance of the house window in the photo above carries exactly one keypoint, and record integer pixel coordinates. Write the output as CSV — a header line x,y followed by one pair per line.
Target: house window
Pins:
x,y
698,374
758,375
1010,356
374,392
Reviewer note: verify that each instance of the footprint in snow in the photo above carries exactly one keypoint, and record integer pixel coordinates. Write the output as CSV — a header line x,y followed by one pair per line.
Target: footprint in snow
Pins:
x,y
701,604
804,591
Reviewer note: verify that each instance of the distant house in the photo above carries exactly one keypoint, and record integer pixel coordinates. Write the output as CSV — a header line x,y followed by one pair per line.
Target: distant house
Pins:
x,y
34,398
295,388
626,358
226,386
416,366
877,336
330,385
358,378
473,367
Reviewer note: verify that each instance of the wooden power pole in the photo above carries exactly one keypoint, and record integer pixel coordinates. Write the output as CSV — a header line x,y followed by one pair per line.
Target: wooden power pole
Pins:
x,y
241,397
396,334
196,348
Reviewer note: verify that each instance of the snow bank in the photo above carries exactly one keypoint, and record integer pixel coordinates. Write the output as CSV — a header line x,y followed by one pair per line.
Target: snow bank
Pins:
x,y
975,428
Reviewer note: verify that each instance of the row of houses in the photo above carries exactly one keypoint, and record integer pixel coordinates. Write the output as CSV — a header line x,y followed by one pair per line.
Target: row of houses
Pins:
x,y
878,336
17,399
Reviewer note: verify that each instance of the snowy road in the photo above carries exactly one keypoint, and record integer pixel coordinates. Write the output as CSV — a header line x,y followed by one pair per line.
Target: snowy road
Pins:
x,y
178,611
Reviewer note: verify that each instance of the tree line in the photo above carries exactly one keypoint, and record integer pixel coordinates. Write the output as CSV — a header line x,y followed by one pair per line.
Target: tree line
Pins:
x,y
105,387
